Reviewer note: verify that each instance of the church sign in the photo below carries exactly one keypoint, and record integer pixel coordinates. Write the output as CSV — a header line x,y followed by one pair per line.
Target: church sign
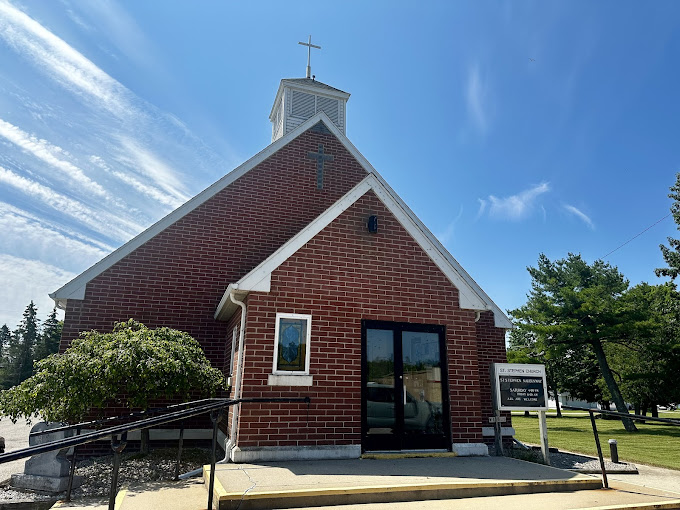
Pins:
x,y
520,387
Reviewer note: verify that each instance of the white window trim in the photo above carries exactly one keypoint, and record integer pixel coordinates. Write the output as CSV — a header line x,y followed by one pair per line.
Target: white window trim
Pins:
x,y
280,316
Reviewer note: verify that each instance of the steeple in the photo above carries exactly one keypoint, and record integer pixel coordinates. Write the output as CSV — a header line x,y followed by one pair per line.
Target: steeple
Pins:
x,y
299,99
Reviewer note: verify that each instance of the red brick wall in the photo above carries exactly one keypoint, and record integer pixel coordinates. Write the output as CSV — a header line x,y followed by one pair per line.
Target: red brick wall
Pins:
x,y
490,349
177,278
341,276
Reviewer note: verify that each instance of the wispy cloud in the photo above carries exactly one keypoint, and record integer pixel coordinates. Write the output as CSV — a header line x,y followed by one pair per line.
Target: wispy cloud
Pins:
x,y
53,156
101,222
62,61
26,235
448,233
580,215
85,163
476,96
513,207
19,290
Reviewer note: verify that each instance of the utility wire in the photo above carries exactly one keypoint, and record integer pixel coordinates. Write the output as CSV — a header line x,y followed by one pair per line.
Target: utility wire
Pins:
x,y
637,235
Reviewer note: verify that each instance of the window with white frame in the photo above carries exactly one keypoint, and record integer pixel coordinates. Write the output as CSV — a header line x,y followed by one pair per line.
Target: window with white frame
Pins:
x,y
291,346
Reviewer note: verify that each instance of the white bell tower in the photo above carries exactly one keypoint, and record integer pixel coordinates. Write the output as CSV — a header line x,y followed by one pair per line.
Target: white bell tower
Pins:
x,y
299,99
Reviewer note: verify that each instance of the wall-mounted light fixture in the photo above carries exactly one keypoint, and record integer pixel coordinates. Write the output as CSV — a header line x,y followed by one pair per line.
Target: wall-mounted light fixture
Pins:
x,y
372,224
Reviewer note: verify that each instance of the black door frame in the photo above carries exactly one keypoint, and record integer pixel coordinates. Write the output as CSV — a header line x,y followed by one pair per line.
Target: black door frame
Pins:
x,y
399,436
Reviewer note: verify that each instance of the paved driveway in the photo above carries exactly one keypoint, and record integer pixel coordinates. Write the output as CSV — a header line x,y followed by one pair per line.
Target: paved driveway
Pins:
x,y
16,436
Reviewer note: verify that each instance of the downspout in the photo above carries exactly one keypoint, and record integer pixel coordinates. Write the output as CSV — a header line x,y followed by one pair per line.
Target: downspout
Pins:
x,y
231,444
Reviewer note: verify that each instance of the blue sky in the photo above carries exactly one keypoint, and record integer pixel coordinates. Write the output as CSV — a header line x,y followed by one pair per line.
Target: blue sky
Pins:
x,y
510,128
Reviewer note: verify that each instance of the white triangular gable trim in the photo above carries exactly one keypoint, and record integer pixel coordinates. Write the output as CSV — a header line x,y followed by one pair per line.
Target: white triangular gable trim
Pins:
x,y
75,289
259,279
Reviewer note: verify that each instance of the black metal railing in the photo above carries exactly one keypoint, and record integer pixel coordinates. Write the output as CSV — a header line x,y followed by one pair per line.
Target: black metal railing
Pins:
x,y
623,416
154,418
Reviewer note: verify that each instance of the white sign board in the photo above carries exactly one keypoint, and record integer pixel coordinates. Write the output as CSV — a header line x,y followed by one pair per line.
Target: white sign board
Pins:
x,y
520,387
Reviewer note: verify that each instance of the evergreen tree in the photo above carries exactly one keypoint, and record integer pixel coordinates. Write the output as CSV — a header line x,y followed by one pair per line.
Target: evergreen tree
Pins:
x,y
5,339
671,253
48,343
574,305
26,339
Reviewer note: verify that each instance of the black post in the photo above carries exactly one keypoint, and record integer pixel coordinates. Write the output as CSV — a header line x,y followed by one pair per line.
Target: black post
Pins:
x,y
215,418
179,451
117,447
599,449
72,470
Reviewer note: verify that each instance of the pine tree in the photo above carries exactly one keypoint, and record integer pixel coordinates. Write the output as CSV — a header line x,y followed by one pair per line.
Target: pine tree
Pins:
x,y
50,337
5,339
27,336
671,253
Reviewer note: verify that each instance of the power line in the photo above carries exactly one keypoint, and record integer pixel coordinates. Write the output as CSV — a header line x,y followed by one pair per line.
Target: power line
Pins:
x,y
637,235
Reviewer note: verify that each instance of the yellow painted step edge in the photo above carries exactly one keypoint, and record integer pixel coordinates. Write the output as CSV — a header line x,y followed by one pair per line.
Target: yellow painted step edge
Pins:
x,y
665,505
414,455
396,488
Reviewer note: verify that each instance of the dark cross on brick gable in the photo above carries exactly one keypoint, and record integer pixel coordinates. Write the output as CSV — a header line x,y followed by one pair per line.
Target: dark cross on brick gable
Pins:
x,y
320,157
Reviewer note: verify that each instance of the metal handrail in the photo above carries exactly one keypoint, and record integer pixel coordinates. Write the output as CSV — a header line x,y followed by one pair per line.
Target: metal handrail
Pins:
x,y
94,423
118,435
635,417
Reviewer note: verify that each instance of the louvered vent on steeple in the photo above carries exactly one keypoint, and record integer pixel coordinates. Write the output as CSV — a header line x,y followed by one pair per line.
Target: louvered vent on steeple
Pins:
x,y
300,99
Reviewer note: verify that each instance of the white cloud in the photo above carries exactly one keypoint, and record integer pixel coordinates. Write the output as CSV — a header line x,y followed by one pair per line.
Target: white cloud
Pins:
x,y
138,185
514,207
63,62
24,280
447,235
155,168
26,235
105,223
580,215
476,96
47,152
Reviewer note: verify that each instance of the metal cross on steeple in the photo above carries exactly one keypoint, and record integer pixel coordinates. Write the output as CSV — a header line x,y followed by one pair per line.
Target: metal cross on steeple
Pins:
x,y
320,157
309,55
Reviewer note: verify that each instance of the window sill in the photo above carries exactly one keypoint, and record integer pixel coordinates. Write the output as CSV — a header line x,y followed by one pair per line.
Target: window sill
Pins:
x,y
289,380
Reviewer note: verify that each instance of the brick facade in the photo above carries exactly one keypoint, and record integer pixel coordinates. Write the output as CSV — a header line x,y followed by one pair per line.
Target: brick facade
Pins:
x,y
341,276
344,275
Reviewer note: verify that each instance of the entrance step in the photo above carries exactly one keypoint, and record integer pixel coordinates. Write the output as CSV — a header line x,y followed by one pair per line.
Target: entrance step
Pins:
x,y
357,481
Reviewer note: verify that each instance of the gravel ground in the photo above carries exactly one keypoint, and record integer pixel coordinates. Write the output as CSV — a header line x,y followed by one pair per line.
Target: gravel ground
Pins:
x,y
159,465
572,461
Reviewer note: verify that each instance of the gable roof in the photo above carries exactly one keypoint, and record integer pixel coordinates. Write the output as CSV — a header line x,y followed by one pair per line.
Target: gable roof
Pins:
x,y
309,82
259,278
478,299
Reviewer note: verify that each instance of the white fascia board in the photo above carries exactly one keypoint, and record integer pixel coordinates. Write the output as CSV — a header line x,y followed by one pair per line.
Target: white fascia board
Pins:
x,y
227,307
75,289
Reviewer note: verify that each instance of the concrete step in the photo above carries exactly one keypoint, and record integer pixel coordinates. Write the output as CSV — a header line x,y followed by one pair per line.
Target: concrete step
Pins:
x,y
185,495
361,481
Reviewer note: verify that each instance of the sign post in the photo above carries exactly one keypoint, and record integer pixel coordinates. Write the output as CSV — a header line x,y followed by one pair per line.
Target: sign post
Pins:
x,y
519,387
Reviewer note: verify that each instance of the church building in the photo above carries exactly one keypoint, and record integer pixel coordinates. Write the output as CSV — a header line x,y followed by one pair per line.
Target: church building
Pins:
x,y
302,273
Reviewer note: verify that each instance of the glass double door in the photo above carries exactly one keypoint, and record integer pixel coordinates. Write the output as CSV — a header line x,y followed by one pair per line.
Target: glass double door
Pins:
x,y
404,402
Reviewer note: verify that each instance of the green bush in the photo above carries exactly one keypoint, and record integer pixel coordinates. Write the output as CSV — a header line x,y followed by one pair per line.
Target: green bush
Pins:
x,y
131,366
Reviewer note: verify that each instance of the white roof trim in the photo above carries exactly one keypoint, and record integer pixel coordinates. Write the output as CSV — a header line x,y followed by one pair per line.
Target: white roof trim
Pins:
x,y
468,294
75,289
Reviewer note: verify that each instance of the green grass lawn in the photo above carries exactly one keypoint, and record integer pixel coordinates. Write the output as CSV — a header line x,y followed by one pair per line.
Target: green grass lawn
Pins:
x,y
654,444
